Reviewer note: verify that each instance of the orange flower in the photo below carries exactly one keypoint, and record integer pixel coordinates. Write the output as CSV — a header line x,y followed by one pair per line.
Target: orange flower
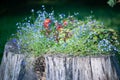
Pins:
x,y
46,23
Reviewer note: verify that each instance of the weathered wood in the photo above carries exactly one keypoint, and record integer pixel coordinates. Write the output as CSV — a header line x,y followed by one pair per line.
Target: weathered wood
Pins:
x,y
62,67
14,64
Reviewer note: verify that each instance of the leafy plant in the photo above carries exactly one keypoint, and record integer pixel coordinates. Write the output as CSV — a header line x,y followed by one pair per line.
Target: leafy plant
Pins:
x,y
65,34
113,2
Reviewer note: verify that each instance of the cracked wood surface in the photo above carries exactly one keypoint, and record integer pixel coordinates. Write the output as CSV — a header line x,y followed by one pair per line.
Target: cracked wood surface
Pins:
x,y
60,67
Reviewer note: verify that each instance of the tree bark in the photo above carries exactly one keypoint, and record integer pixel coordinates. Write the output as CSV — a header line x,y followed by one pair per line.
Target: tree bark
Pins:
x,y
14,65
62,67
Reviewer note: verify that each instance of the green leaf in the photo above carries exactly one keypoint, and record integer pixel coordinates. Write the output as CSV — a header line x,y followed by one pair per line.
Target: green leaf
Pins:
x,y
111,2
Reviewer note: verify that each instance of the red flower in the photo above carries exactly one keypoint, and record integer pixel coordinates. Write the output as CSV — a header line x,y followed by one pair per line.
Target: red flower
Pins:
x,y
65,23
58,26
46,23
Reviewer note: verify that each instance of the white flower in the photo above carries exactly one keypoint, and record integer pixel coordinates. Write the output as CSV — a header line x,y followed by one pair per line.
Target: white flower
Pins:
x,y
32,10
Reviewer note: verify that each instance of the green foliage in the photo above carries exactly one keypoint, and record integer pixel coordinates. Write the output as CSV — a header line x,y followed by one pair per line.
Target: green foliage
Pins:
x,y
91,39
112,2
66,34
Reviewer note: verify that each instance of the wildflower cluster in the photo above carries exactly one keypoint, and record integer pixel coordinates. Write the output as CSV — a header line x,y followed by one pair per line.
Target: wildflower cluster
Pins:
x,y
65,34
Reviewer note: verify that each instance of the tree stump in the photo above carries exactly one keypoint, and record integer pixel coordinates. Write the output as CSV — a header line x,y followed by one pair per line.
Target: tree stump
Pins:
x,y
14,65
62,67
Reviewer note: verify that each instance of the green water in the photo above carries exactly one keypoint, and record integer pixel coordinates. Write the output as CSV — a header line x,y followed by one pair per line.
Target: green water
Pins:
x,y
109,16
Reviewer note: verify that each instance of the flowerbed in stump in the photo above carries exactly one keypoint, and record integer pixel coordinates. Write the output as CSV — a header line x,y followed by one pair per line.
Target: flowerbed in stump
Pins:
x,y
65,34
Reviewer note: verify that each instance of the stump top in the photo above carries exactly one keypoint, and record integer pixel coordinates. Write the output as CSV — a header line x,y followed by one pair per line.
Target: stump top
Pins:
x,y
71,56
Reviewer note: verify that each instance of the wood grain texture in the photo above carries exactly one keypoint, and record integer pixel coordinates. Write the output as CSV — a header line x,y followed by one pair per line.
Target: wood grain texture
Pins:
x,y
14,65
61,67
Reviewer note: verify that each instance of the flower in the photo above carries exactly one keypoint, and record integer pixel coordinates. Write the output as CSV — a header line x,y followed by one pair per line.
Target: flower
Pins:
x,y
46,23
58,26
32,10
65,23
14,40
